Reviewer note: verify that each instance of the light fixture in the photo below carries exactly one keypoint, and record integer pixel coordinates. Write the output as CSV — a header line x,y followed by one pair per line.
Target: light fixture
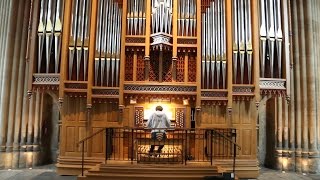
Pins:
x,y
185,102
133,101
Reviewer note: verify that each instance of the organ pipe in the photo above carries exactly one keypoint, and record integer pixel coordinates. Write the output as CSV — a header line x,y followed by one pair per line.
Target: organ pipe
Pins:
x,y
242,40
136,17
214,46
108,41
187,17
49,33
271,38
79,38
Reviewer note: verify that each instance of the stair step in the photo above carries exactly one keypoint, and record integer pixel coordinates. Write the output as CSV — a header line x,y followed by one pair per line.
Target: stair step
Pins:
x,y
115,176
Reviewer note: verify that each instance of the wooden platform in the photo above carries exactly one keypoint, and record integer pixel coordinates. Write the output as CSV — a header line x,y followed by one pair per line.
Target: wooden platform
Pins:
x,y
150,171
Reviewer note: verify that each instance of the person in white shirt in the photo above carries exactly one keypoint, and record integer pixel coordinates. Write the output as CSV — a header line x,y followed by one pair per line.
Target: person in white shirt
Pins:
x,y
158,122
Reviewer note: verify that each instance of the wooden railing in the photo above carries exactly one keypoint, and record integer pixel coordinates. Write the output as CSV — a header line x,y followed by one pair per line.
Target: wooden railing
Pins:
x,y
180,145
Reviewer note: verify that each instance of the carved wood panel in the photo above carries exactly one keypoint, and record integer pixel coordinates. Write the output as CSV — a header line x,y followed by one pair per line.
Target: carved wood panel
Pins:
x,y
138,116
180,68
192,68
129,67
140,67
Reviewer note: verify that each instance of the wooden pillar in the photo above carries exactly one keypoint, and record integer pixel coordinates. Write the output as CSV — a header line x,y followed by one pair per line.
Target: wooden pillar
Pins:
x,y
229,56
174,40
63,65
147,40
64,47
198,100
255,49
92,41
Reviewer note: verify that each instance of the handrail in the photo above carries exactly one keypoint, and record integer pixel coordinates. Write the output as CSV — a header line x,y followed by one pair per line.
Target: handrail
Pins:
x,y
230,140
168,129
82,141
89,137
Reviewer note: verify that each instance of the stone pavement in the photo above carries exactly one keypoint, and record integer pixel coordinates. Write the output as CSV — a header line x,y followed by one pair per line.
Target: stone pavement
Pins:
x,y
48,173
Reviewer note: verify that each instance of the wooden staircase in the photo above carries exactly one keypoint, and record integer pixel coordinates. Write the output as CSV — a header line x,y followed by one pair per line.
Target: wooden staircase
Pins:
x,y
150,171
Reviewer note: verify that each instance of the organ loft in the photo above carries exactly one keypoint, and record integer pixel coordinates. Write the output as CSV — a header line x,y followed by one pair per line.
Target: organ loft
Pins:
x,y
238,80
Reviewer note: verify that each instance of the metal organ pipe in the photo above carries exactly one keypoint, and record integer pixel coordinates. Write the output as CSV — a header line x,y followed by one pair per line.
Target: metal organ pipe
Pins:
x,y
242,40
136,17
49,32
271,35
187,17
108,40
214,45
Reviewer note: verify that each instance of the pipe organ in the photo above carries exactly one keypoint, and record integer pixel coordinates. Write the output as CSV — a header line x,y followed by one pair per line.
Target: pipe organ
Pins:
x,y
216,55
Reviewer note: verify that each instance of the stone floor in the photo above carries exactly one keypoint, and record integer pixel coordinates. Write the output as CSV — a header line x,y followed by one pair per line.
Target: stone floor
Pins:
x,y
48,173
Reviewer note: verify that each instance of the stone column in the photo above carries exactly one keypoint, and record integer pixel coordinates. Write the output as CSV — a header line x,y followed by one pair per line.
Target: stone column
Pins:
x,y
297,87
21,75
5,9
14,75
7,70
30,123
36,127
303,72
310,69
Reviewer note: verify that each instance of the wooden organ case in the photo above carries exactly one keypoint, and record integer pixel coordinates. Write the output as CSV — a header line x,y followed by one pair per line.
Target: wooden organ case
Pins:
x,y
110,62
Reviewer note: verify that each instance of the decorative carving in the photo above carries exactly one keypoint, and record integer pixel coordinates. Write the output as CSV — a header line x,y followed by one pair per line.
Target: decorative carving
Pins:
x,y
245,90
229,110
46,79
138,115
214,102
214,94
272,84
129,67
192,68
135,40
180,116
154,67
158,88
140,67
186,41
257,105
180,68
112,92
76,86
167,68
